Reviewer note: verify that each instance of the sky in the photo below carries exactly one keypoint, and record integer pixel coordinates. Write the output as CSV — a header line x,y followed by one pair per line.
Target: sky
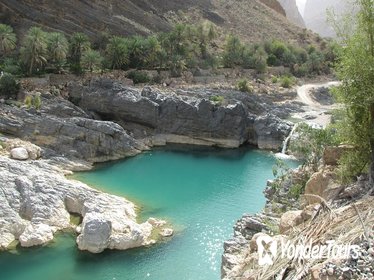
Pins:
x,y
301,5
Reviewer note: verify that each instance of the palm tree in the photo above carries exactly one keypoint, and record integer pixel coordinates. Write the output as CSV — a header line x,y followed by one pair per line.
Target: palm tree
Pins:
x,y
117,53
8,39
34,49
57,48
153,48
91,59
79,43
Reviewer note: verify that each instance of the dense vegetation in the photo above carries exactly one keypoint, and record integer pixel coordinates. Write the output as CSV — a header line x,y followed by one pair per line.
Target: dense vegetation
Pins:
x,y
185,47
356,71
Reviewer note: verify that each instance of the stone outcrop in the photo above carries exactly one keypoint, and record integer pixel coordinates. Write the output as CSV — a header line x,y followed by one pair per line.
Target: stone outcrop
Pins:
x,y
36,200
182,117
322,184
73,137
332,155
292,12
289,220
275,5
237,248
270,131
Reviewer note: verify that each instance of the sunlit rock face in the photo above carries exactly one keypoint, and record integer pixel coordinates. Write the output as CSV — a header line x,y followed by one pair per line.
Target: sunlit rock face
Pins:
x,y
292,12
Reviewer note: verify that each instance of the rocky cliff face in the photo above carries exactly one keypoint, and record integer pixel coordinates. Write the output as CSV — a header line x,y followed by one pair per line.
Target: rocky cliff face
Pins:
x,y
64,129
184,117
275,5
316,14
292,12
251,20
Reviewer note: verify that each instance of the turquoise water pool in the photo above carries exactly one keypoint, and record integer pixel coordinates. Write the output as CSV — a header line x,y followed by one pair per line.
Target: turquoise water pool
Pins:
x,y
201,192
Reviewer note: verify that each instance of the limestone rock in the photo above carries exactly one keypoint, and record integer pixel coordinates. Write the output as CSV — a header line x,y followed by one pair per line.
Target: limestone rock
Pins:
x,y
271,131
322,184
332,155
73,137
166,232
36,201
34,152
19,154
156,222
187,118
289,220
292,12
36,235
95,235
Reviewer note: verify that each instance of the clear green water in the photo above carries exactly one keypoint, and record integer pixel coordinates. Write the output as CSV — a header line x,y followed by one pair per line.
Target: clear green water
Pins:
x,y
201,192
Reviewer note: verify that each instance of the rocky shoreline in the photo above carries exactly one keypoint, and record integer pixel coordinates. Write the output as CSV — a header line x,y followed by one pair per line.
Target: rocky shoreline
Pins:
x,y
325,211
37,200
104,121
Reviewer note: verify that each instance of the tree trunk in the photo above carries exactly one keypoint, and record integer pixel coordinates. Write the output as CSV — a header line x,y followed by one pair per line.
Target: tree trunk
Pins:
x,y
371,171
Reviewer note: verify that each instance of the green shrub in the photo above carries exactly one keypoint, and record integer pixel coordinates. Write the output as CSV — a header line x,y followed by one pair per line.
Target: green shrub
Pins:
x,y
259,60
177,65
300,70
37,102
11,66
296,190
28,101
139,77
9,87
274,80
233,54
218,99
311,143
33,101
244,86
287,81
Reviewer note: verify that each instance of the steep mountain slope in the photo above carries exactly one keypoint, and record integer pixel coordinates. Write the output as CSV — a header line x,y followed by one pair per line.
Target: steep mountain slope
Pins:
x,y
316,14
292,12
275,5
250,19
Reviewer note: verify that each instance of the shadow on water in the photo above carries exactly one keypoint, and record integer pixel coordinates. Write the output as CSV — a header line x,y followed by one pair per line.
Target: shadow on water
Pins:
x,y
229,154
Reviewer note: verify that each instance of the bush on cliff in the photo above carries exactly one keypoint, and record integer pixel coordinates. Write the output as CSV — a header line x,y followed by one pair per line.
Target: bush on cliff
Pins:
x,y
244,86
9,87
139,77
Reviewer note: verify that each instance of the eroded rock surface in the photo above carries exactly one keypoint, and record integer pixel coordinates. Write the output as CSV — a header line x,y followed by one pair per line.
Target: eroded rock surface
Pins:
x,y
36,200
188,117
73,137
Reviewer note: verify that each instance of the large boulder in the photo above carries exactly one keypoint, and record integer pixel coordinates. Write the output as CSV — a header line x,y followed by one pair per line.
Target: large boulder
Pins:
x,y
34,152
96,232
322,184
332,155
290,220
19,153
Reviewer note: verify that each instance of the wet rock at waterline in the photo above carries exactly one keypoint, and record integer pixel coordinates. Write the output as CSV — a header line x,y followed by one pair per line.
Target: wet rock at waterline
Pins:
x,y
36,200
184,117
